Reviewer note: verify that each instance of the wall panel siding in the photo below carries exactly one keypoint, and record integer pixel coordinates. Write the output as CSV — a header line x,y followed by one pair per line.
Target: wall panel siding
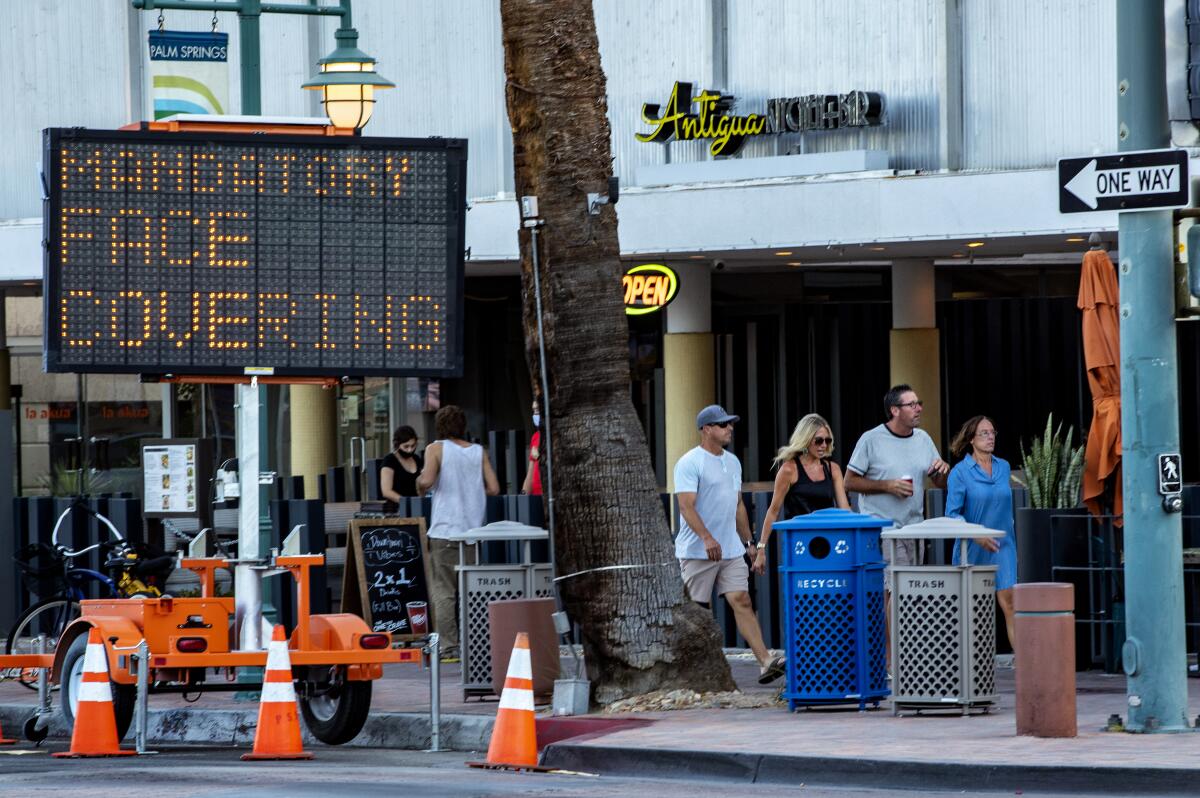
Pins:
x,y
1039,81
644,48
64,64
447,61
784,48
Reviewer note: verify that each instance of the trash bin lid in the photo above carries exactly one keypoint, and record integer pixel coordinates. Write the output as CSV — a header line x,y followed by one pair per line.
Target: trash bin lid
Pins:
x,y
502,530
942,529
833,518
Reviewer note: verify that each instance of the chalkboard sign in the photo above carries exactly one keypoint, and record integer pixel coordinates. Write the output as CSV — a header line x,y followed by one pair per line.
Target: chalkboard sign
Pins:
x,y
387,578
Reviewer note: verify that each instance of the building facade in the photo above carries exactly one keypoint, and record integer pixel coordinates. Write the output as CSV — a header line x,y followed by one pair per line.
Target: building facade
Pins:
x,y
891,213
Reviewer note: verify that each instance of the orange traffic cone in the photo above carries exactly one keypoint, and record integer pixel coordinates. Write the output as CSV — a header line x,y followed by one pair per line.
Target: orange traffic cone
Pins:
x,y
95,732
514,737
278,732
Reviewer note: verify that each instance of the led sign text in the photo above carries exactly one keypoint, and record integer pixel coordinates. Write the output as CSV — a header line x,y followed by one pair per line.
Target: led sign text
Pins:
x,y
181,253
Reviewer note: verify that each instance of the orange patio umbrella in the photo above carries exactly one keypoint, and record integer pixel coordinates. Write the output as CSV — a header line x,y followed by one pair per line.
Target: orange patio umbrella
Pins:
x,y
1098,299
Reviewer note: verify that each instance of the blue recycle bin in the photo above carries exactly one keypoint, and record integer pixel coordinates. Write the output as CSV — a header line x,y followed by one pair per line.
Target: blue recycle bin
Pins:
x,y
831,580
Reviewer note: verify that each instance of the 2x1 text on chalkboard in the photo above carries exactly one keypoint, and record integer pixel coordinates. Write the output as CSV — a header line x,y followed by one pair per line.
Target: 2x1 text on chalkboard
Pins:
x,y
187,253
386,580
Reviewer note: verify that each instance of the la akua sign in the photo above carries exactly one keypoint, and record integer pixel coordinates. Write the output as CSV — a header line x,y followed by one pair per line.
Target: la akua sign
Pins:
x,y
712,119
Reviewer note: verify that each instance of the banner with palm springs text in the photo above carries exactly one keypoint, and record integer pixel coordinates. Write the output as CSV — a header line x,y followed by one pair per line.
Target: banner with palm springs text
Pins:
x,y
189,72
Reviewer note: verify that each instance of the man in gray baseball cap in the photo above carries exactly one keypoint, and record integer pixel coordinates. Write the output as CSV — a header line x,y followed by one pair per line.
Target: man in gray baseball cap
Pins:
x,y
714,531
714,414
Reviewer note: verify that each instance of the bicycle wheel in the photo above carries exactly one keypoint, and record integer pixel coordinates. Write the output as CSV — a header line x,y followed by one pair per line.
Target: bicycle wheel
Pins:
x,y
48,618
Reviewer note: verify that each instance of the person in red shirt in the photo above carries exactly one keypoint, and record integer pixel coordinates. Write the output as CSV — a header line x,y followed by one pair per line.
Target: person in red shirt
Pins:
x,y
533,477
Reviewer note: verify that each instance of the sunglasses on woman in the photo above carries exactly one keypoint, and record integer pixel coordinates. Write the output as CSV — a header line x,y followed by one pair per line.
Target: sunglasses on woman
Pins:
x,y
822,441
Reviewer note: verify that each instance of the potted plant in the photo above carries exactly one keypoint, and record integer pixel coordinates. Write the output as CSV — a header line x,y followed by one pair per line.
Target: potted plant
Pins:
x,y
1053,471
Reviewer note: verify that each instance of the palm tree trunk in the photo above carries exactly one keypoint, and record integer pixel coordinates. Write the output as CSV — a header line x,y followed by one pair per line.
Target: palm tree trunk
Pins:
x,y
640,632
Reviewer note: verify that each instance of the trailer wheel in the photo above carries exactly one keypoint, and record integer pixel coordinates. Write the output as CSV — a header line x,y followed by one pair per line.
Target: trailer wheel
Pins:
x,y
124,695
335,711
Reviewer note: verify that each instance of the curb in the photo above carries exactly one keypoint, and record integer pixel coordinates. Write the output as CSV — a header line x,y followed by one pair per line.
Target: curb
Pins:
x,y
235,728
867,773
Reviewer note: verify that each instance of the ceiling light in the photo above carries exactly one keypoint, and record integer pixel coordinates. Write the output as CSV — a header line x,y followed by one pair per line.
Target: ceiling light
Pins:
x,y
794,263
957,255
698,257
877,249
975,244
1075,239
784,253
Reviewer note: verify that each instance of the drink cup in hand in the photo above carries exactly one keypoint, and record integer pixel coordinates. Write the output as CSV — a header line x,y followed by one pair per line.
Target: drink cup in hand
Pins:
x,y
418,617
908,478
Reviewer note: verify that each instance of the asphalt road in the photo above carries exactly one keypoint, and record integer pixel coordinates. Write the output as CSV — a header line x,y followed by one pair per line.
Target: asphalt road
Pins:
x,y
348,772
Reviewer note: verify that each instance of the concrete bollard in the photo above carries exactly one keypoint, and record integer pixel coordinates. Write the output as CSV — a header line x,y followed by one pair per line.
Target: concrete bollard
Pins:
x,y
1045,621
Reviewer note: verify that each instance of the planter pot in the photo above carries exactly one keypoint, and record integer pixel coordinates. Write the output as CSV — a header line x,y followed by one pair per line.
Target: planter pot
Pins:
x,y
1033,544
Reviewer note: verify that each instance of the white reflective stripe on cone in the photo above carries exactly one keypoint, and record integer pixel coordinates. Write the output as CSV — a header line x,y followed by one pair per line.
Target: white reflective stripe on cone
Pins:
x,y
273,692
95,691
519,665
517,698
94,659
277,657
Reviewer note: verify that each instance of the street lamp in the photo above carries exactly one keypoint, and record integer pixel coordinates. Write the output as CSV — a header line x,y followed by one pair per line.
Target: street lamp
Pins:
x,y
347,82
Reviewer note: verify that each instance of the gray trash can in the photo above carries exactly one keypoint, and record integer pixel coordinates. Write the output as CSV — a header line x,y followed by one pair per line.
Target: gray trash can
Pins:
x,y
480,584
943,619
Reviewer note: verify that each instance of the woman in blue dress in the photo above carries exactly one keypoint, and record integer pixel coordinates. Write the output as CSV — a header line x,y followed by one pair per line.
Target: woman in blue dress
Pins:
x,y
978,491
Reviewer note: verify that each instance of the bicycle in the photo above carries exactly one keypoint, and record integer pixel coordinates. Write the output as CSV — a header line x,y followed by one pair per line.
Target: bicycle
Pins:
x,y
46,620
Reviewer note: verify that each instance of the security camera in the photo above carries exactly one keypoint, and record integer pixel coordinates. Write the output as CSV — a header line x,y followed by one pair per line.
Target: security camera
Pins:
x,y
718,265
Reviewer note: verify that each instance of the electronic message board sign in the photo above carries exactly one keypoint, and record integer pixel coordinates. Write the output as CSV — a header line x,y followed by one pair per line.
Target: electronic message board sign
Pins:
x,y
218,254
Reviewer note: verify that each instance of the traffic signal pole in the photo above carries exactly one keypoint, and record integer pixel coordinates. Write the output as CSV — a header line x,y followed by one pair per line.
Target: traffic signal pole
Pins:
x,y
1154,656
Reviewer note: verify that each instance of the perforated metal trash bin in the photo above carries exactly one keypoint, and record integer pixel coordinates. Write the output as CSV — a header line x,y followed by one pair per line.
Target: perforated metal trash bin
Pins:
x,y
943,647
831,591
479,584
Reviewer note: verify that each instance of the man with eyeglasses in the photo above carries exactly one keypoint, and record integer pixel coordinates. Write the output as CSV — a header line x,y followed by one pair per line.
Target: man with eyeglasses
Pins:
x,y
714,531
889,466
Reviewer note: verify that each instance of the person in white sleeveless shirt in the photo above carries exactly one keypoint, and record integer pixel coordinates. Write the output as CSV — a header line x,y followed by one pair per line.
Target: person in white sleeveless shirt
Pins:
x,y
460,477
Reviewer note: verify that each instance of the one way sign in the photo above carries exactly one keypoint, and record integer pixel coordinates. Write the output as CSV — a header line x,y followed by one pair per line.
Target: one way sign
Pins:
x,y
1123,182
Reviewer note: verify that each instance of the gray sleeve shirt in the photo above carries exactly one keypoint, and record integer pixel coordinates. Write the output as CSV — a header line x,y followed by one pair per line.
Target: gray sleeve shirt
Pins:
x,y
881,454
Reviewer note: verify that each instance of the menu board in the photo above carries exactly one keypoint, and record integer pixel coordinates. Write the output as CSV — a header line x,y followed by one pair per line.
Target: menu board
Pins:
x,y
169,479
177,478
225,253
387,578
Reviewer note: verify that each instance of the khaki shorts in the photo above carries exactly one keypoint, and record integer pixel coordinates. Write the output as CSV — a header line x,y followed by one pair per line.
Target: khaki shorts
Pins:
x,y
729,576
907,551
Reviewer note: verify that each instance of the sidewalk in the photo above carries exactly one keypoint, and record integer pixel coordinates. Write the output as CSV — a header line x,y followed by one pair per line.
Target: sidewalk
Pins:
x,y
765,745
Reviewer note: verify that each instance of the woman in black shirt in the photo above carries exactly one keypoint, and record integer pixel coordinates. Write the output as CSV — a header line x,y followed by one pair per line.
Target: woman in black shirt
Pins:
x,y
807,480
398,474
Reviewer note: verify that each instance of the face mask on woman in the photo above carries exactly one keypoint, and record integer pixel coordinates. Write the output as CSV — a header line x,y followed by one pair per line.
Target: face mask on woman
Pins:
x,y
537,419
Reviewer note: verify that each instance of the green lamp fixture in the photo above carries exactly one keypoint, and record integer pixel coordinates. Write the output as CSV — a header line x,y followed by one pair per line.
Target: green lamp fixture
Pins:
x,y
347,82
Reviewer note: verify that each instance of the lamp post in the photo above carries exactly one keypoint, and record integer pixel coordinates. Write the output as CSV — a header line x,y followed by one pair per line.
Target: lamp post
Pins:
x,y
347,78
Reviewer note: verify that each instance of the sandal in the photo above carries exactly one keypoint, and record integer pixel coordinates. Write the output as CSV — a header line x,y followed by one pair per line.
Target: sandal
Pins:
x,y
772,670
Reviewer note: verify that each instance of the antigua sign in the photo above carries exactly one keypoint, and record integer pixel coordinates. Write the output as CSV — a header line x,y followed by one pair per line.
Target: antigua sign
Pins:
x,y
1123,182
712,119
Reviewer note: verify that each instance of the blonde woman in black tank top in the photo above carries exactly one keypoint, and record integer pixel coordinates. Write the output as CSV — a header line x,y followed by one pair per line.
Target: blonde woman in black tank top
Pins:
x,y
807,479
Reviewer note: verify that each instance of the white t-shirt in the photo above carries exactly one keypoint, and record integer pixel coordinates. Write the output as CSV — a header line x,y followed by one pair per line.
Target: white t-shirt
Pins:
x,y
717,483
882,454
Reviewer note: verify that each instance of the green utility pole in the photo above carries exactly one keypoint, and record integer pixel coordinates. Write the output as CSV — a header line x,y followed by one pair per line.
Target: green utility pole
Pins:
x,y
1155,657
